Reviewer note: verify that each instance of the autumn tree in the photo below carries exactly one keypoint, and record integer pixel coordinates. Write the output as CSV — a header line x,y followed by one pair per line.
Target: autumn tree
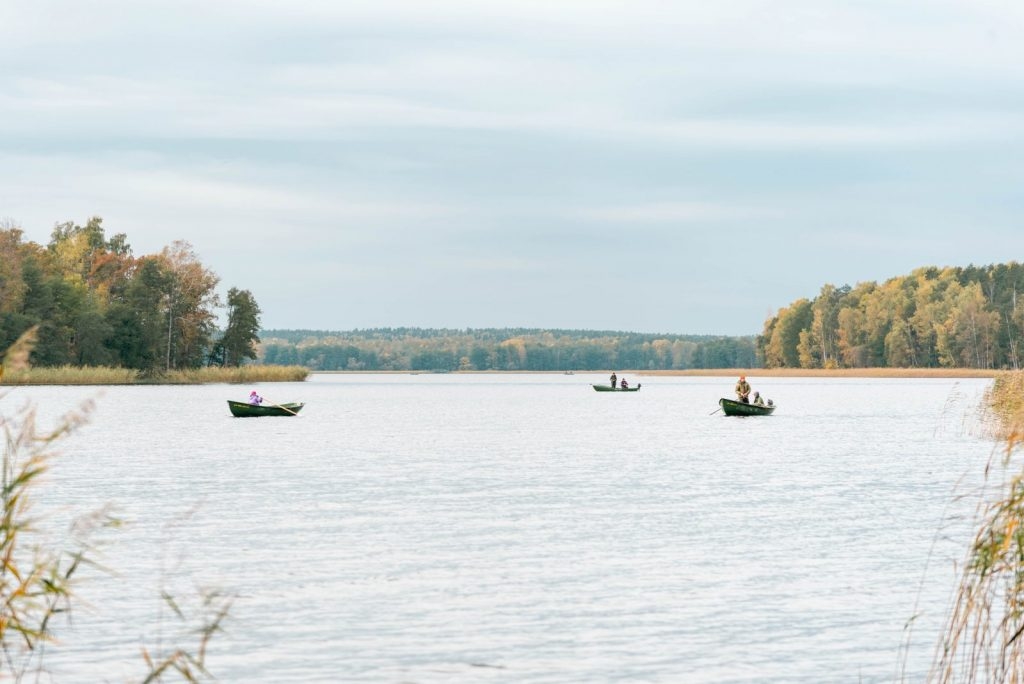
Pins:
x,y
819,344
190,300
782,351
241,335
966,337
136,316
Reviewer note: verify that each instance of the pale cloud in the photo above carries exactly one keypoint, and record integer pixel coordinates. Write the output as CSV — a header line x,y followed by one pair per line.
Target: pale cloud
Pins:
x,y
674,212
95,107
464,163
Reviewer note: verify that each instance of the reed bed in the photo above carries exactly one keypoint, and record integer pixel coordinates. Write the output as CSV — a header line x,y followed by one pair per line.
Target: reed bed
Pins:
x,y
104,375
241,374
71,375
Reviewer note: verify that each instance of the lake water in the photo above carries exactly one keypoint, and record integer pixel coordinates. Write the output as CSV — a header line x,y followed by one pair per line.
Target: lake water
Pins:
x,y
524,528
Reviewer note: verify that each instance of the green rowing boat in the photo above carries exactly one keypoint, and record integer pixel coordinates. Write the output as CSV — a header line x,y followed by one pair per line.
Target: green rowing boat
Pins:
x,y
609,388
243,409
731,407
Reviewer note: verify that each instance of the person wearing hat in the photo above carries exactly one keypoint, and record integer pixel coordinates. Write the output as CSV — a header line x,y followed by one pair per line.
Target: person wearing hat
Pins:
x,y
743,390
255,399
758,401
614,379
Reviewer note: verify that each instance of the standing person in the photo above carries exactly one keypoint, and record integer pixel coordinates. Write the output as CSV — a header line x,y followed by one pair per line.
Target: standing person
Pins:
x,y
743,390
614,379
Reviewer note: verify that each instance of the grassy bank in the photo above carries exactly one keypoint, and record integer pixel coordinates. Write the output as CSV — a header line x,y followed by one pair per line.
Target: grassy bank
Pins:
x,y
103,375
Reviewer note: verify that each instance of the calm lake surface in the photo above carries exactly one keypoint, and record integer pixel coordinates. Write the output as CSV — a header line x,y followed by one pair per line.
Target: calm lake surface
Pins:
x,y
524,528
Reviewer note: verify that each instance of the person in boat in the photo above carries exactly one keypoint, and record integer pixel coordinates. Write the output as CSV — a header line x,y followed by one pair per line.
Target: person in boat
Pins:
x,y
743,390
623,384
614,379
255,399
758,401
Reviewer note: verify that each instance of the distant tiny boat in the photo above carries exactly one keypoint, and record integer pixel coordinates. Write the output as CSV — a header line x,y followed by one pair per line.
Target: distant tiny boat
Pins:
x,y
731,407
243,409
609,388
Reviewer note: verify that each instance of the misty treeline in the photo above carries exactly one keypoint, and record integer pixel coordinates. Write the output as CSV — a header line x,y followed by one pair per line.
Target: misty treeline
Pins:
x,y
95,304
516,349
949,317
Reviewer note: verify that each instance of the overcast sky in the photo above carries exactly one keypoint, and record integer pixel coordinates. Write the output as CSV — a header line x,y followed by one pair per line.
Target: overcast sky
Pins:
x,y
683,167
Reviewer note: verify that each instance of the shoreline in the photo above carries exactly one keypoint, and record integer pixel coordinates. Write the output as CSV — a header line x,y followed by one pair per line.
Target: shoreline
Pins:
x,y
256,374
839,372
723,372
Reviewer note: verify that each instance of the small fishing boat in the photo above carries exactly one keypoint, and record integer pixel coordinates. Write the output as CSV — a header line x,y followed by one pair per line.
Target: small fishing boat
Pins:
x,y
731,407
243,409
609,388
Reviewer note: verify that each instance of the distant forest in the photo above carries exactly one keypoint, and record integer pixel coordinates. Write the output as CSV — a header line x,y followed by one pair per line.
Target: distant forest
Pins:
x,y
507,349
949,317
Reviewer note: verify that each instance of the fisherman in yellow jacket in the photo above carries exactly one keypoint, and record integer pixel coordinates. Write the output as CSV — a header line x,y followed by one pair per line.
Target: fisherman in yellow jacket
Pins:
x,y
743,390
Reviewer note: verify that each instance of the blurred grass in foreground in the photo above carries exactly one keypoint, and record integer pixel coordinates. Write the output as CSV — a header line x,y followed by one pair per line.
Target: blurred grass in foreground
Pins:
x,y
39,580
982,641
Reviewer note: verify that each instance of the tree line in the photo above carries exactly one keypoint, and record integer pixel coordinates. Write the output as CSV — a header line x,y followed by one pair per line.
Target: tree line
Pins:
x,y
95,304
935,317
507,349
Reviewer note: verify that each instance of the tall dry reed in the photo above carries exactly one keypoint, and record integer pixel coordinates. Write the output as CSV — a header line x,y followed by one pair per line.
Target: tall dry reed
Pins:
x,y
72,375
984,637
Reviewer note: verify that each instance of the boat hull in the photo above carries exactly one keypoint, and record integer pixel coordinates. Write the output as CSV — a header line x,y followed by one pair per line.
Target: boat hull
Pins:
x,y
609,388
241,409
732,407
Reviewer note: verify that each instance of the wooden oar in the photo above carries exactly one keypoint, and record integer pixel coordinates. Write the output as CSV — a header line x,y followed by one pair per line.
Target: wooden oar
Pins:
x,y
283,408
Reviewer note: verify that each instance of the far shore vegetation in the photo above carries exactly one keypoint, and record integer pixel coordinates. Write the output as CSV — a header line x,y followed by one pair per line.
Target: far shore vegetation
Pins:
x,y
934,317
950,320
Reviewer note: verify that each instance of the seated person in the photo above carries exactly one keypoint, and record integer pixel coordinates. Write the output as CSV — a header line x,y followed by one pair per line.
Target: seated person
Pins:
x,y
623,384
255,399
758,401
